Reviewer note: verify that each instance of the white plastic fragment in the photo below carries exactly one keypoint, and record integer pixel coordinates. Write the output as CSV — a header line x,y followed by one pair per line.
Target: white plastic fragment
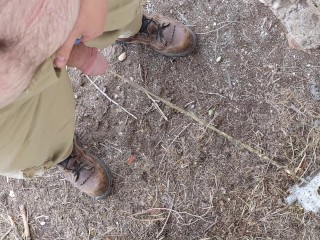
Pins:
x,y
306,195
122,56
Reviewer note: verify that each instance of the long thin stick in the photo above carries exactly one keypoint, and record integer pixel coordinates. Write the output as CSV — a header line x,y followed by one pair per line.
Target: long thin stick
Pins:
x,y
157,107
6,234
219,132
23,212
174,139
14,227
110,99
165,223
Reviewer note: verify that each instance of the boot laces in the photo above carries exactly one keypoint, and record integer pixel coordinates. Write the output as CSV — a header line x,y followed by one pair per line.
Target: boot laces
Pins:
x,y
159,27
77,168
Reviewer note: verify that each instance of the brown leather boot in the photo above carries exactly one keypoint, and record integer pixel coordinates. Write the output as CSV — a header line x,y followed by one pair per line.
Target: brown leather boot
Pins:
x,y
164,35
87,173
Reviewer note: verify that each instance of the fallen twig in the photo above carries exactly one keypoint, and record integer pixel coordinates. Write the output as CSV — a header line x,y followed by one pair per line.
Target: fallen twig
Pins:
x,y
174,139
23,212
179,215
165,223
149,219
157,107
6,234
214,30
219,132
14,227
110,99
225,24
155,104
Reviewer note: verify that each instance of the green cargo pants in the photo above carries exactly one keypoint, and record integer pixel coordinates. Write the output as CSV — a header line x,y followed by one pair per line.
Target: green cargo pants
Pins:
x,y
36,131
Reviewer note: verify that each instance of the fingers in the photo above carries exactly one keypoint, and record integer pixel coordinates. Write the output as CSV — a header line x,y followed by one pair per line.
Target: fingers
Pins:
x,y
89,25
63,53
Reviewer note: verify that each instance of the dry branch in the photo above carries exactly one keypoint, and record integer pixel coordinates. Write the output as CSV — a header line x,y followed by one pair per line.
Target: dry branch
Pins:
x,y
155,104
175,138
23,212
110,99
219,132
14,227
6,234
165,223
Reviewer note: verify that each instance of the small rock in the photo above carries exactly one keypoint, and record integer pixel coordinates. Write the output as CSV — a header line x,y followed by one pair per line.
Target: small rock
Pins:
x,y
211,112
270,66
315,91
122,57
219,59
12,194
317,123
42,223
76,96
131,160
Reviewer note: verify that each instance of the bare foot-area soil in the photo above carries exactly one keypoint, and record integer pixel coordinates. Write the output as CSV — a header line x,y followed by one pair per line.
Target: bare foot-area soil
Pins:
x,y
175,178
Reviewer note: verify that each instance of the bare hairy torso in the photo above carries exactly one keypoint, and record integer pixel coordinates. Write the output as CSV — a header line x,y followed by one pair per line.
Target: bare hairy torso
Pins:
x,y
30,32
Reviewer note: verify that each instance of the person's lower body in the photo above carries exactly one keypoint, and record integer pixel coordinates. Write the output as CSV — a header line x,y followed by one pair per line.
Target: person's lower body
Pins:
x,y
37,130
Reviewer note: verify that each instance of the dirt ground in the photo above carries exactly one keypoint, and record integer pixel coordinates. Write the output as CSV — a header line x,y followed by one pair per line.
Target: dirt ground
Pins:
x,y
186,182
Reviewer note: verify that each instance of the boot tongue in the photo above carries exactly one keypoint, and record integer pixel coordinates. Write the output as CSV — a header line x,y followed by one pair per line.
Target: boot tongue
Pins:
x,y
71,163
152,28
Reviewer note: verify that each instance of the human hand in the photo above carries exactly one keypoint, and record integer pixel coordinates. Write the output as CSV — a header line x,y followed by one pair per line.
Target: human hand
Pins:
x,y
89,25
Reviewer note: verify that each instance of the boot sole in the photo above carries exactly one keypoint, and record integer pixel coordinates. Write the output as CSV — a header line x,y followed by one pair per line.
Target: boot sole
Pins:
x,y
110,180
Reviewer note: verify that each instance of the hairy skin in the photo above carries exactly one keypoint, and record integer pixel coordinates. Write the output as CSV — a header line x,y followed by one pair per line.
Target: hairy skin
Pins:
x,y
30,32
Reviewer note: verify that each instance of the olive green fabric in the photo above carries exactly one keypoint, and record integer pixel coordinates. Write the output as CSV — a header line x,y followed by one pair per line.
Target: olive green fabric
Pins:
x,y
124,19
36,131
